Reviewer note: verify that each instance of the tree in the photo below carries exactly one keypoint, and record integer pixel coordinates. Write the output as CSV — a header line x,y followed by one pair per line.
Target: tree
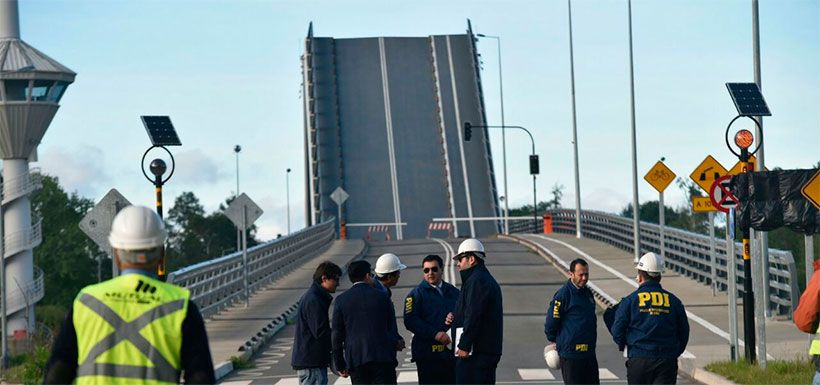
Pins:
x,y
67,256
557,193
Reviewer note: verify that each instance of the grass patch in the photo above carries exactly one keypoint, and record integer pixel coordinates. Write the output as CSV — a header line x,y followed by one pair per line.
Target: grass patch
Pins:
x,y
799,371
241,363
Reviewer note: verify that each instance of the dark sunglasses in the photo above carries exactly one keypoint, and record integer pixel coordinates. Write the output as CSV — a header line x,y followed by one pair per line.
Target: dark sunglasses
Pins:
x,y
433,269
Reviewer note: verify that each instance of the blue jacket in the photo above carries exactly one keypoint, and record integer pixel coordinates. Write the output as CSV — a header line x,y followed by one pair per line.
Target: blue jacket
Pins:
x,y
363,328
652,323
571,322
311,345
479,311
424,312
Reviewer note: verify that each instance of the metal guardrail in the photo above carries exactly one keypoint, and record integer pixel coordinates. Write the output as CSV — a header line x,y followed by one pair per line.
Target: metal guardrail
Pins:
x,y
21,185
218,283
23,240
687,253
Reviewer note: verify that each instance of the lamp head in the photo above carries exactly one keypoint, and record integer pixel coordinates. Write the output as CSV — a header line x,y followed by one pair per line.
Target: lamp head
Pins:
x,y
158,167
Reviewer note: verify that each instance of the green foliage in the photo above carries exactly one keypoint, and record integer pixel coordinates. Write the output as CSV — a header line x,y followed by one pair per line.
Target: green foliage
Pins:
x,y
799,371
66,254
241,363
195,237
28,368
51,316
557,193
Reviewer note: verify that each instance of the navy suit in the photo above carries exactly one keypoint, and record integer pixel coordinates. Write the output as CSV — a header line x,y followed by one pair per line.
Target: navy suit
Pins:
x,y
363,336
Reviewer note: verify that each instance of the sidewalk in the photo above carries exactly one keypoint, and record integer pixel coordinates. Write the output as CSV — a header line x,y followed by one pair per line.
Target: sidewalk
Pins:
x,y
613,272
232,327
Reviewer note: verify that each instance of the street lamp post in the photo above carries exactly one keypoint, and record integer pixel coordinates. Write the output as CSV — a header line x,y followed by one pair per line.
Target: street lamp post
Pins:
x,y
287,195
236,150
468,133
574,127
503,131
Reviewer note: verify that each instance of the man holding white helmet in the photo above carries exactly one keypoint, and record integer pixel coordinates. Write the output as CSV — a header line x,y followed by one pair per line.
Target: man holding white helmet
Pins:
x,y
388,271
572,325
165,330
478,318
651,322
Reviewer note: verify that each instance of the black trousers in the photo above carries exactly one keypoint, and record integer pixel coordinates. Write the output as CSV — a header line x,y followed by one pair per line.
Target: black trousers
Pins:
x,y
477,369
651,370
580,371
437,372
374,373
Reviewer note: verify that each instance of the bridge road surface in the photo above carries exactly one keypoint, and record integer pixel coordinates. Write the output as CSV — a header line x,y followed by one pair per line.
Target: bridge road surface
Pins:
x,y
527,282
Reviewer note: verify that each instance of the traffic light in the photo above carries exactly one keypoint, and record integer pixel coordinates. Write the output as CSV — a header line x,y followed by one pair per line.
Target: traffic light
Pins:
x,y
534,165
468,131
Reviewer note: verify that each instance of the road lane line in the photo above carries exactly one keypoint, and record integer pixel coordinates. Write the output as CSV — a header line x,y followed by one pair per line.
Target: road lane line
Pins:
x,y
460,139
388,117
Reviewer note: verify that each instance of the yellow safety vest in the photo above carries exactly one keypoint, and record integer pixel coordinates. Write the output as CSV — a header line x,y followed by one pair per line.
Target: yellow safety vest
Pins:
x,y
815,343
129,331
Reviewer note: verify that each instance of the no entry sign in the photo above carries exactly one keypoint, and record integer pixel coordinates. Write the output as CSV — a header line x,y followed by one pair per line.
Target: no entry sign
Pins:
x,y
721,195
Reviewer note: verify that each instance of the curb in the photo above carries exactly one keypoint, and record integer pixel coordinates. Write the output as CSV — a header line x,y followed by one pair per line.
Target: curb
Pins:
x,y
686,366
257,342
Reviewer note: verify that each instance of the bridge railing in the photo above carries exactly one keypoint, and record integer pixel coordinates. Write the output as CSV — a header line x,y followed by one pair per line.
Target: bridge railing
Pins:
x,y
687,253
218,283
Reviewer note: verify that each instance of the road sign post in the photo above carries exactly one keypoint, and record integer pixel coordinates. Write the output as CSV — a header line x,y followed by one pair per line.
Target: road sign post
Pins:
x,y
731,265
339,196
243,212
660,176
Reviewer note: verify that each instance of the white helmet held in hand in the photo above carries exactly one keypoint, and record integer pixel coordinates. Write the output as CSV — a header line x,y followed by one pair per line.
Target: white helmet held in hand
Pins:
x,y
137,228
551,356
471,245
388,263
651,263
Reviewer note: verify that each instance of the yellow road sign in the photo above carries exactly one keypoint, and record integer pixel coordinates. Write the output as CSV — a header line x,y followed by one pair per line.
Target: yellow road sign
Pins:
x,y
660,176
738,167
702,205
707,171
812,190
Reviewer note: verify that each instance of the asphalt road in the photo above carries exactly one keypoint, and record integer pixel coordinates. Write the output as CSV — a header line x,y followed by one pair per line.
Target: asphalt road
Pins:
x,y
527,282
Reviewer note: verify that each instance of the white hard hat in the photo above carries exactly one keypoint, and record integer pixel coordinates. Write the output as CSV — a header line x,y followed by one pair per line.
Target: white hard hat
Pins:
x,y
551,356
650,263
388,263
137,228
471,245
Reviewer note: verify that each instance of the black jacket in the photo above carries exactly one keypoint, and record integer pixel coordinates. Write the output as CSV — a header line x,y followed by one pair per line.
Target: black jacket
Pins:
x,y
652,323
363,328
479,311
424,312
311,343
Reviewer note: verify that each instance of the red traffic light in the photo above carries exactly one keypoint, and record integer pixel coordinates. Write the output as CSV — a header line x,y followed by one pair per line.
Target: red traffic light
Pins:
x,y
744,139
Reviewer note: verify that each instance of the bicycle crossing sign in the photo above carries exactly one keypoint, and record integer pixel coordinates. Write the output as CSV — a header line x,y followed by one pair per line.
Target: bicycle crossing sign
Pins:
x,y
707,172
659,176
721,195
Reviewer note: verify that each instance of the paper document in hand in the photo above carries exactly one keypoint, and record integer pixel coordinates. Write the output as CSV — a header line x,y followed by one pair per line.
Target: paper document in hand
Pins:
x,y
457,340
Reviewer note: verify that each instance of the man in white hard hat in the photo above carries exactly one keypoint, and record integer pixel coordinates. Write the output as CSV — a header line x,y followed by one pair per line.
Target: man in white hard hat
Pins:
x,y
572,326
165,330
388,271
651,322
478,318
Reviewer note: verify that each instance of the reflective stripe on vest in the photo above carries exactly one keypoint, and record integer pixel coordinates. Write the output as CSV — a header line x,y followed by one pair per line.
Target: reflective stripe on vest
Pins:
x,y
129,328
814,349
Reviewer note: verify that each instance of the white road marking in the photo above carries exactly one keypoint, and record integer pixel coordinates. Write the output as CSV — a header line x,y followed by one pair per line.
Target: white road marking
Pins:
x,y
288,381
409,376
606,374
343,381
443,126
535,374
460,139
239,382
388,117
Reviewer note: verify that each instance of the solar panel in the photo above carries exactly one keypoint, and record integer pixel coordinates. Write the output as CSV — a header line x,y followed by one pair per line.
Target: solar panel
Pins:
x,y
161,131
748,99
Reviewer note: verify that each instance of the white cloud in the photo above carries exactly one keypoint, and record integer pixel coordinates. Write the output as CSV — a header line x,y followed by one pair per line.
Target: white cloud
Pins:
x,y
194,167
81,170
605,199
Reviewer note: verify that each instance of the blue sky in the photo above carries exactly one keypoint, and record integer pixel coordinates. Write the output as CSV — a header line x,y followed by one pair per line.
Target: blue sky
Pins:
x,y
228,72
